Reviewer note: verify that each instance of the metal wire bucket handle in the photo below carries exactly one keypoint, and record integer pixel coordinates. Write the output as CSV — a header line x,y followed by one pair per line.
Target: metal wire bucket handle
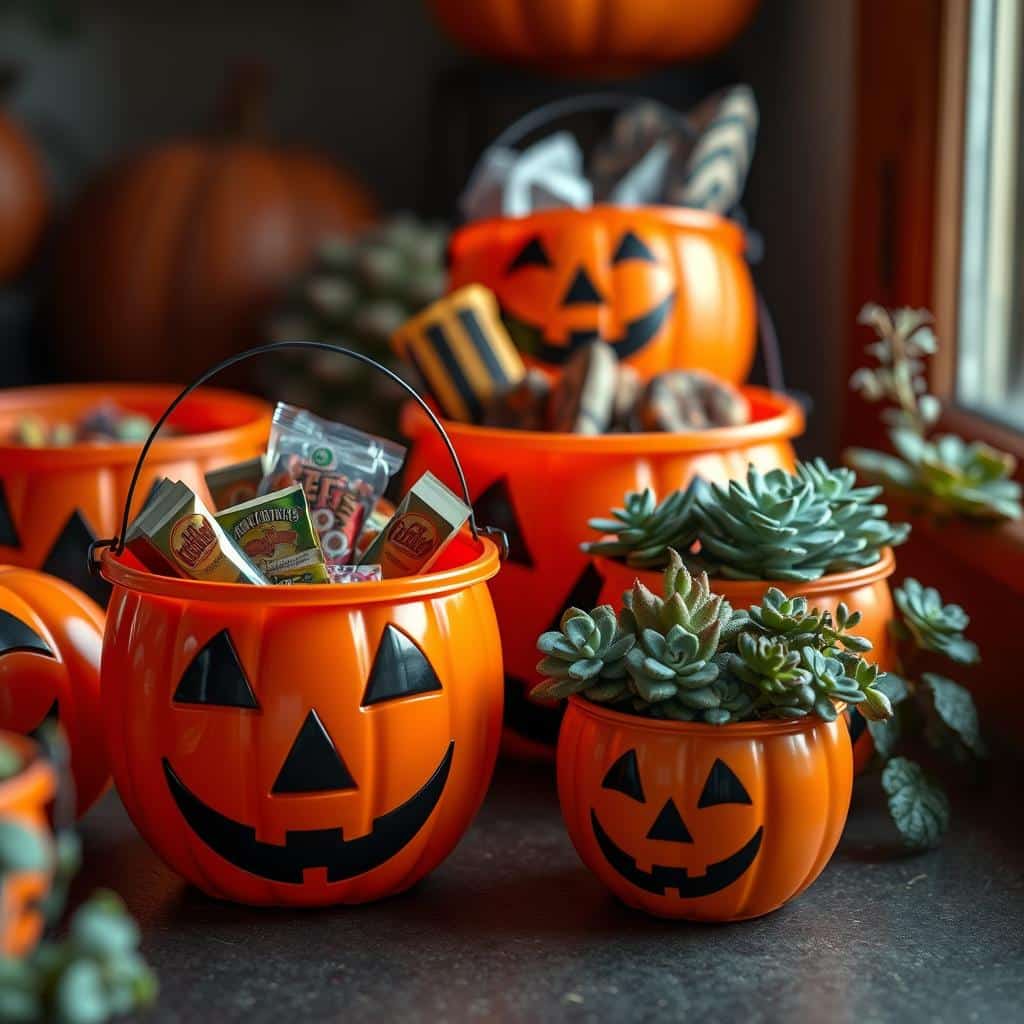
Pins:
x,y
116,544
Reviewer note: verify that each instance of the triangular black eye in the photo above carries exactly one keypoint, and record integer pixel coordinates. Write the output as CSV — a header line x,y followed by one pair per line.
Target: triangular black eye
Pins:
x,y
669,825
624,777
533,254
584,594
722,787
8,532
631,248
215,677
400,669
313,765
16,635
68,559
494,507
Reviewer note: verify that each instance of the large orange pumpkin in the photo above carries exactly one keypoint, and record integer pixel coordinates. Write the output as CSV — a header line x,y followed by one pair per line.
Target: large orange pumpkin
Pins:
x,y
541,488
51,637
23,198
703,822
171,258
593,36
665,287
55,501
865,590
24,799
303,745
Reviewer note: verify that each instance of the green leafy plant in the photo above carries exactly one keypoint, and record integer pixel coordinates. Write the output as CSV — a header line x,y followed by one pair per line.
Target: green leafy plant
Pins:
x,y
687,654
944,474
95,971
928,707
773,526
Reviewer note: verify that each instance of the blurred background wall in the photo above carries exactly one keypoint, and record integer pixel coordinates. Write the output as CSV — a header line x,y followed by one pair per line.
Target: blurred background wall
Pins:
x,y
381,89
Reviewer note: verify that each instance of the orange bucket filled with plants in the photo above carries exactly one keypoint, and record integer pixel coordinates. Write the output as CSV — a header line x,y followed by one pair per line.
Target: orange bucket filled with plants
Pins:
x,y
67,456
307,744
591,342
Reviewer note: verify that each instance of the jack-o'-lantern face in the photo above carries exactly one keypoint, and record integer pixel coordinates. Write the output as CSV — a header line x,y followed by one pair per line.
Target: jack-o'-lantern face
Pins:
x,y
565,289
684,859
314,766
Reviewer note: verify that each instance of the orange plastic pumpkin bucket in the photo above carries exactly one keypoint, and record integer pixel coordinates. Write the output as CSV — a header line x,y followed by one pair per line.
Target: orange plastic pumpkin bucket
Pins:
x,y
24,799
541,488
55,501
703,822
303,745
865,590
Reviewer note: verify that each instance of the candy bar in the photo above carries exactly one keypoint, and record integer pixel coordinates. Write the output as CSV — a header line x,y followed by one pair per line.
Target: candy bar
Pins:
x,y
276,534
176,535
231,485
679,401
522,408
584,397
462,351
426,520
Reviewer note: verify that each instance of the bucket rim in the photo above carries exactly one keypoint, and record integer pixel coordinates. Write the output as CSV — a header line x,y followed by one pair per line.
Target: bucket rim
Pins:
x,y
687,218
432,584
253,414
786,421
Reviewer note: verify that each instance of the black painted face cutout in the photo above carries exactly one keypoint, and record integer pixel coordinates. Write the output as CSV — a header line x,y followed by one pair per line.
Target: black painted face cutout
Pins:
x,y
582,291
631,248
8,533
533,254
69,559
722,787
19,637
495,506
216,677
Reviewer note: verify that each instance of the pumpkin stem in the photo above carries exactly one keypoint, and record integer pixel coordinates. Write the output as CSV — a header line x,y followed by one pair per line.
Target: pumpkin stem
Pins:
x,y
244,109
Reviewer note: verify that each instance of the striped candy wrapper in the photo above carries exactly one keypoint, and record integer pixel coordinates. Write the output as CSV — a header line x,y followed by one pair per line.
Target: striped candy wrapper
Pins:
x,y
717,169
461,350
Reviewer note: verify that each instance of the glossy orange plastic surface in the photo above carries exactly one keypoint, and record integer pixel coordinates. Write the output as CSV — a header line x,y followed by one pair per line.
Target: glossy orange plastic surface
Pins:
x,y
599,37
23,801
303,745
542,488
53,501
865,590
691,305
51,639
703,822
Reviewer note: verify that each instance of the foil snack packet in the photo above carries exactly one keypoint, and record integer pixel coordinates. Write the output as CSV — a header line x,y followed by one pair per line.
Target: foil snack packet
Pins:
x,y
276,534
343,472
176,535
425,522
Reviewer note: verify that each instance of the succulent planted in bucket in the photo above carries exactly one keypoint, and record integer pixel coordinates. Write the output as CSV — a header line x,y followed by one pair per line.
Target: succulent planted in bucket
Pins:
x,y
687,654
944,473
774,526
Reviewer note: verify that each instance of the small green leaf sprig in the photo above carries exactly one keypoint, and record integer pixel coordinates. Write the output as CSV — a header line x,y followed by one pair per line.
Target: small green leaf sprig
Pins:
x,y
945,474
927,706
773,526
687,655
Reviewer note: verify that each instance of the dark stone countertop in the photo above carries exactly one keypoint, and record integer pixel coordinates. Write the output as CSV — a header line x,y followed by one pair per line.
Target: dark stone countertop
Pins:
x,y
513,928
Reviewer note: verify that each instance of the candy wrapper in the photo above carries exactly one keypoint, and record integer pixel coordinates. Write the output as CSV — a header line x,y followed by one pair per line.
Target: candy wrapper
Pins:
x,y
354,573
275,532
425,522
231,485
342,471
176,535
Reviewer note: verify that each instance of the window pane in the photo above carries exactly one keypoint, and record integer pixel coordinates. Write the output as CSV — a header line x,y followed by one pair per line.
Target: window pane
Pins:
x,y
990,371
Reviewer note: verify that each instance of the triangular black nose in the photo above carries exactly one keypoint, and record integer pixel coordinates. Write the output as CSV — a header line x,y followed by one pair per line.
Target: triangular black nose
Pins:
x,y
669,825
313,765
581,290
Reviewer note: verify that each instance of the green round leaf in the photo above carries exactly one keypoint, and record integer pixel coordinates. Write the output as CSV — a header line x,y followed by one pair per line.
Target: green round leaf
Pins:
x,y
22,849
919,807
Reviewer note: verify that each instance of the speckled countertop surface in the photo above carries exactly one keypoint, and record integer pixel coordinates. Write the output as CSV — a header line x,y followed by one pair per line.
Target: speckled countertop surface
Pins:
x,y
513,928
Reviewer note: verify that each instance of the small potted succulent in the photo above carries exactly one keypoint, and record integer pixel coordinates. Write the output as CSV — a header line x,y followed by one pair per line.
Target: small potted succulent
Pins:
x,y
93,973
814,533
703,769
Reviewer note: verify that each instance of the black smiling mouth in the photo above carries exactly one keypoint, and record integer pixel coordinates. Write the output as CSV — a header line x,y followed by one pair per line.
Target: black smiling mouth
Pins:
x,y
639,332
718,875
311,848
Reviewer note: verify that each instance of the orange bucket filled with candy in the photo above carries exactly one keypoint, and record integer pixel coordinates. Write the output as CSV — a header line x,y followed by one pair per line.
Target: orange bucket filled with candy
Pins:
x,y
67,453
315,741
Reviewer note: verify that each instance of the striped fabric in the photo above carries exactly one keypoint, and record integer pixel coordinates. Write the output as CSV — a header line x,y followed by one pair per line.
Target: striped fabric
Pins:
x,y
461,350
717,169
